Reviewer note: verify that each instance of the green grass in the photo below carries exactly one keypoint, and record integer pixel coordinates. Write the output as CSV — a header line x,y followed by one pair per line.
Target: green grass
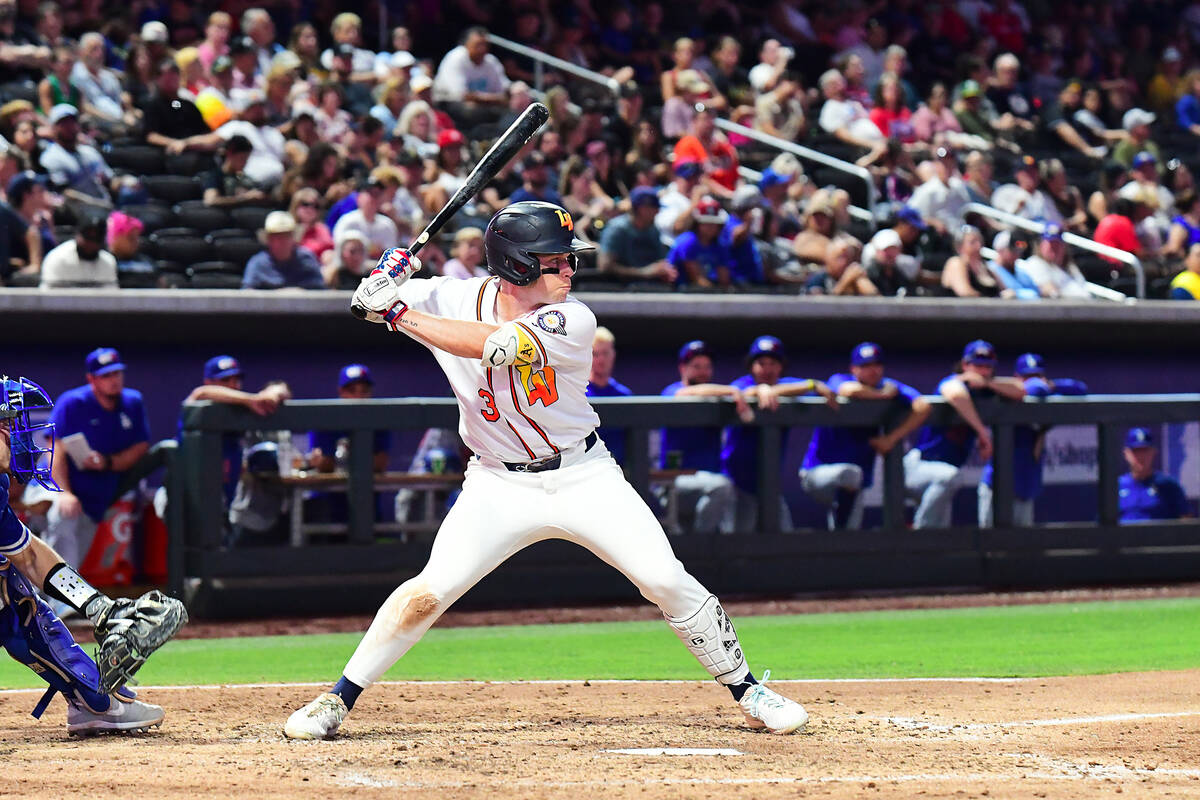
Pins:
x,y
1061,639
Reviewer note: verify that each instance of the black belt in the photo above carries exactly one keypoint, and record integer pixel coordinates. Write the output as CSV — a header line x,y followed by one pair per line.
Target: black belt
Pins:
x,y
550,462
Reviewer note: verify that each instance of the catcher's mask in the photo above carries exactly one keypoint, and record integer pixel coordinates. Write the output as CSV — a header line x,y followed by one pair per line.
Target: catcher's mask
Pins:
x,y
31,444
518,234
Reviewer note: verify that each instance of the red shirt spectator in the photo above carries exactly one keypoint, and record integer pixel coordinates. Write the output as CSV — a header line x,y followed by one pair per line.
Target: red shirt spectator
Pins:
x,y
1116,230
1005,27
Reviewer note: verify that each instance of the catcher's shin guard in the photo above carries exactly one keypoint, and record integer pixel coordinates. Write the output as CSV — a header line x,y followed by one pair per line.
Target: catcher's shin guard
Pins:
x,y
34,635
710,637
130,630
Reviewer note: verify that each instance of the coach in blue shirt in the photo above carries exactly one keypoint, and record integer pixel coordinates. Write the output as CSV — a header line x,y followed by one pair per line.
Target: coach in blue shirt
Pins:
x,y
840,462
1028,444
113,421
931,467
1146,494
601,383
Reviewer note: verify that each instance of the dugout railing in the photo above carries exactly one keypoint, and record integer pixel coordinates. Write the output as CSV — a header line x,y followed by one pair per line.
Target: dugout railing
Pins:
x,y
354,573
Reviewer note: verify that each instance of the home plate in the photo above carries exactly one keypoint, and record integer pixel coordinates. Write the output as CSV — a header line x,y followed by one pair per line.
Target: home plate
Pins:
x,y
676,751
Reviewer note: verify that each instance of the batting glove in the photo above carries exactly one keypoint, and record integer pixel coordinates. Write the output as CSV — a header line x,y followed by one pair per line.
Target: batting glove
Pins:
x,y
398,263
380,296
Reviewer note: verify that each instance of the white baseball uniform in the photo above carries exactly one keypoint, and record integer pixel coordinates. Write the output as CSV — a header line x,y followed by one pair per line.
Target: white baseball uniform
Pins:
x,y
521,416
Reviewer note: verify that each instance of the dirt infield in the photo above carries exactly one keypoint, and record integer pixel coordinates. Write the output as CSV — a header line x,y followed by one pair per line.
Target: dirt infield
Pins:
x,y
1137,735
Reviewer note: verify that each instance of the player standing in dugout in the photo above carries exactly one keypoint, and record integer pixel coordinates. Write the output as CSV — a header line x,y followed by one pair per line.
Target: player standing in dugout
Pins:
x,y
517,351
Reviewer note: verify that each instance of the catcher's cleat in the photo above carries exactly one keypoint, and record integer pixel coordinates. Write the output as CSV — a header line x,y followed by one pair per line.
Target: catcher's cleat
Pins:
x,y
130,631
122,715
768,709
319,719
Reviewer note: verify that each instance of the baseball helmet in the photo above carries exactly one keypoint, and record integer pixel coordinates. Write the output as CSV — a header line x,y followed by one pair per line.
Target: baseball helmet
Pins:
x,y
518,234
31,443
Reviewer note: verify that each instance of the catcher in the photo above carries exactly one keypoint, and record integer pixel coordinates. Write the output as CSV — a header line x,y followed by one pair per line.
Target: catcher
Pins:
x,y
127,631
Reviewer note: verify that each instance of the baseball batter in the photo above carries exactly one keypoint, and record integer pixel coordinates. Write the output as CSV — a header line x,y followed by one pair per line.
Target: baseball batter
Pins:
x,y
517,351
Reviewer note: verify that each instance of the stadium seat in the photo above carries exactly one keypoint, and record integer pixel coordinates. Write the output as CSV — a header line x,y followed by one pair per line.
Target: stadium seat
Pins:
x,y
138,280
167,267
216,266
140,159
250,218
237,250
173,188
194,214
154,216
215,280
184,249
190,163
229,233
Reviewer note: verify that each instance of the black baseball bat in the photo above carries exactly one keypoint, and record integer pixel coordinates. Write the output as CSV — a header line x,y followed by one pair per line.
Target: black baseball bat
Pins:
x,y
500,153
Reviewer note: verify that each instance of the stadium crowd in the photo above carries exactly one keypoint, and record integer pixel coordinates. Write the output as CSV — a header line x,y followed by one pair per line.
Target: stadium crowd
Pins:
x,y
216,145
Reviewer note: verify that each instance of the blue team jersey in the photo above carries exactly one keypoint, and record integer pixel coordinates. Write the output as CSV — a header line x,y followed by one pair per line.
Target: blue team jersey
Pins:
x,y
108,432
614,438
949,443
14,536
831,445
1027,465
699,448
739,458
1158,497
688,247
747,260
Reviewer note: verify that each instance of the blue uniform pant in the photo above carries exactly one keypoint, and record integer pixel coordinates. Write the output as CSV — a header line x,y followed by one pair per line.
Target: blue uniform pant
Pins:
x,y
932,484
1022,509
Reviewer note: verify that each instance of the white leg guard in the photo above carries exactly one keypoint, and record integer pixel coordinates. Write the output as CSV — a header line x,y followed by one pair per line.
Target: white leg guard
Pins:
x,y
710,637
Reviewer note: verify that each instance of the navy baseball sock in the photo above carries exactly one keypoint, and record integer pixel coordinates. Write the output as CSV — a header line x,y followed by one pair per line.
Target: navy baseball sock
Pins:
x,y
347,690
845,506
739,689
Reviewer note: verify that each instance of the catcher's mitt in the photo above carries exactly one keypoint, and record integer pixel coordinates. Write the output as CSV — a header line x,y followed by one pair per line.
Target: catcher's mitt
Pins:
x,y
130,630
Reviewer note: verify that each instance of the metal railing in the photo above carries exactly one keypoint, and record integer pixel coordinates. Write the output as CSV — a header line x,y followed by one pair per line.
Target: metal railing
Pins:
x,y
1072,239
858,212
542,60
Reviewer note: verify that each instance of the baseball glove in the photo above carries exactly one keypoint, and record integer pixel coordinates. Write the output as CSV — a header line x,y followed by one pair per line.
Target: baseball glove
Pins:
x,y
130,630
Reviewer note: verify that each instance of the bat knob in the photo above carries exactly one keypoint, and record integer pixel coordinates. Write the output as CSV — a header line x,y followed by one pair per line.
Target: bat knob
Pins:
x,y
358,311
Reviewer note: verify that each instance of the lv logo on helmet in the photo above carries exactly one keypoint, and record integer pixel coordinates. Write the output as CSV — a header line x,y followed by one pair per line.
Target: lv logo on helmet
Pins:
x,y
564,219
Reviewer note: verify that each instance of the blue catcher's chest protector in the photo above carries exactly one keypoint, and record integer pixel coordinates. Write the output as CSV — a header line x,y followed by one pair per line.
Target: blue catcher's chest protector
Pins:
x,y
34,635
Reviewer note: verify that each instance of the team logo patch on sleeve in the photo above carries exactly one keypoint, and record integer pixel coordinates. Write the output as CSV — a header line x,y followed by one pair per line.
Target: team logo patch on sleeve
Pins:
x,y
553,322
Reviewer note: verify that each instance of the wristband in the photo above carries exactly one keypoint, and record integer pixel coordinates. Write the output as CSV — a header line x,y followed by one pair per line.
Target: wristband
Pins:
x,y
393,315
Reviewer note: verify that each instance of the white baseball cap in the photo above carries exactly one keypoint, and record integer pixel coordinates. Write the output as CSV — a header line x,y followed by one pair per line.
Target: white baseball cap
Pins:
x,y
1137,116
154,32
279,222
886,238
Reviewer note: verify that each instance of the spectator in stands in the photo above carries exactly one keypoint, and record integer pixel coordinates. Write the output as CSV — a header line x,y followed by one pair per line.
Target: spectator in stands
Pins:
x,y
1067,200
173,122
933,465
26,234
1169,83
966,274
583,198
1187,109
728,78
680,198
889,113
845,118
1112,177
346,263
1025,197
885,264
780,111
56,88
740,235
470,82
974,117
26,148
708,146
1014,109
283,263
1185,227
99,85
215,101
1004,268
680,110
156,38
393,96
406,203
1186,285
601,383
259,28
1051,269
1089,120
1145,494
1145,186
842,274
1136,122
304,44
1119,227
347,29
699,256
682,56
535,181
216,38
355,96
840,462
124,238
75,169
820,226
380,231
468,256
228,186
112,420
244,56
311,231
81,262
1069,126
141,73
417,127
940,200
631,245
772,64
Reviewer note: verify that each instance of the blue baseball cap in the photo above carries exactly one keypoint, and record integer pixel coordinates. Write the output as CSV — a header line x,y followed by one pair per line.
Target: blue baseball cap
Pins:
x,y
1052,232
767,346
866,353
20,184
1030,364
694,348
351,373
688,168
912,217
1139,437
979,352
1143,158
104,360
772,178
219,367
644,196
